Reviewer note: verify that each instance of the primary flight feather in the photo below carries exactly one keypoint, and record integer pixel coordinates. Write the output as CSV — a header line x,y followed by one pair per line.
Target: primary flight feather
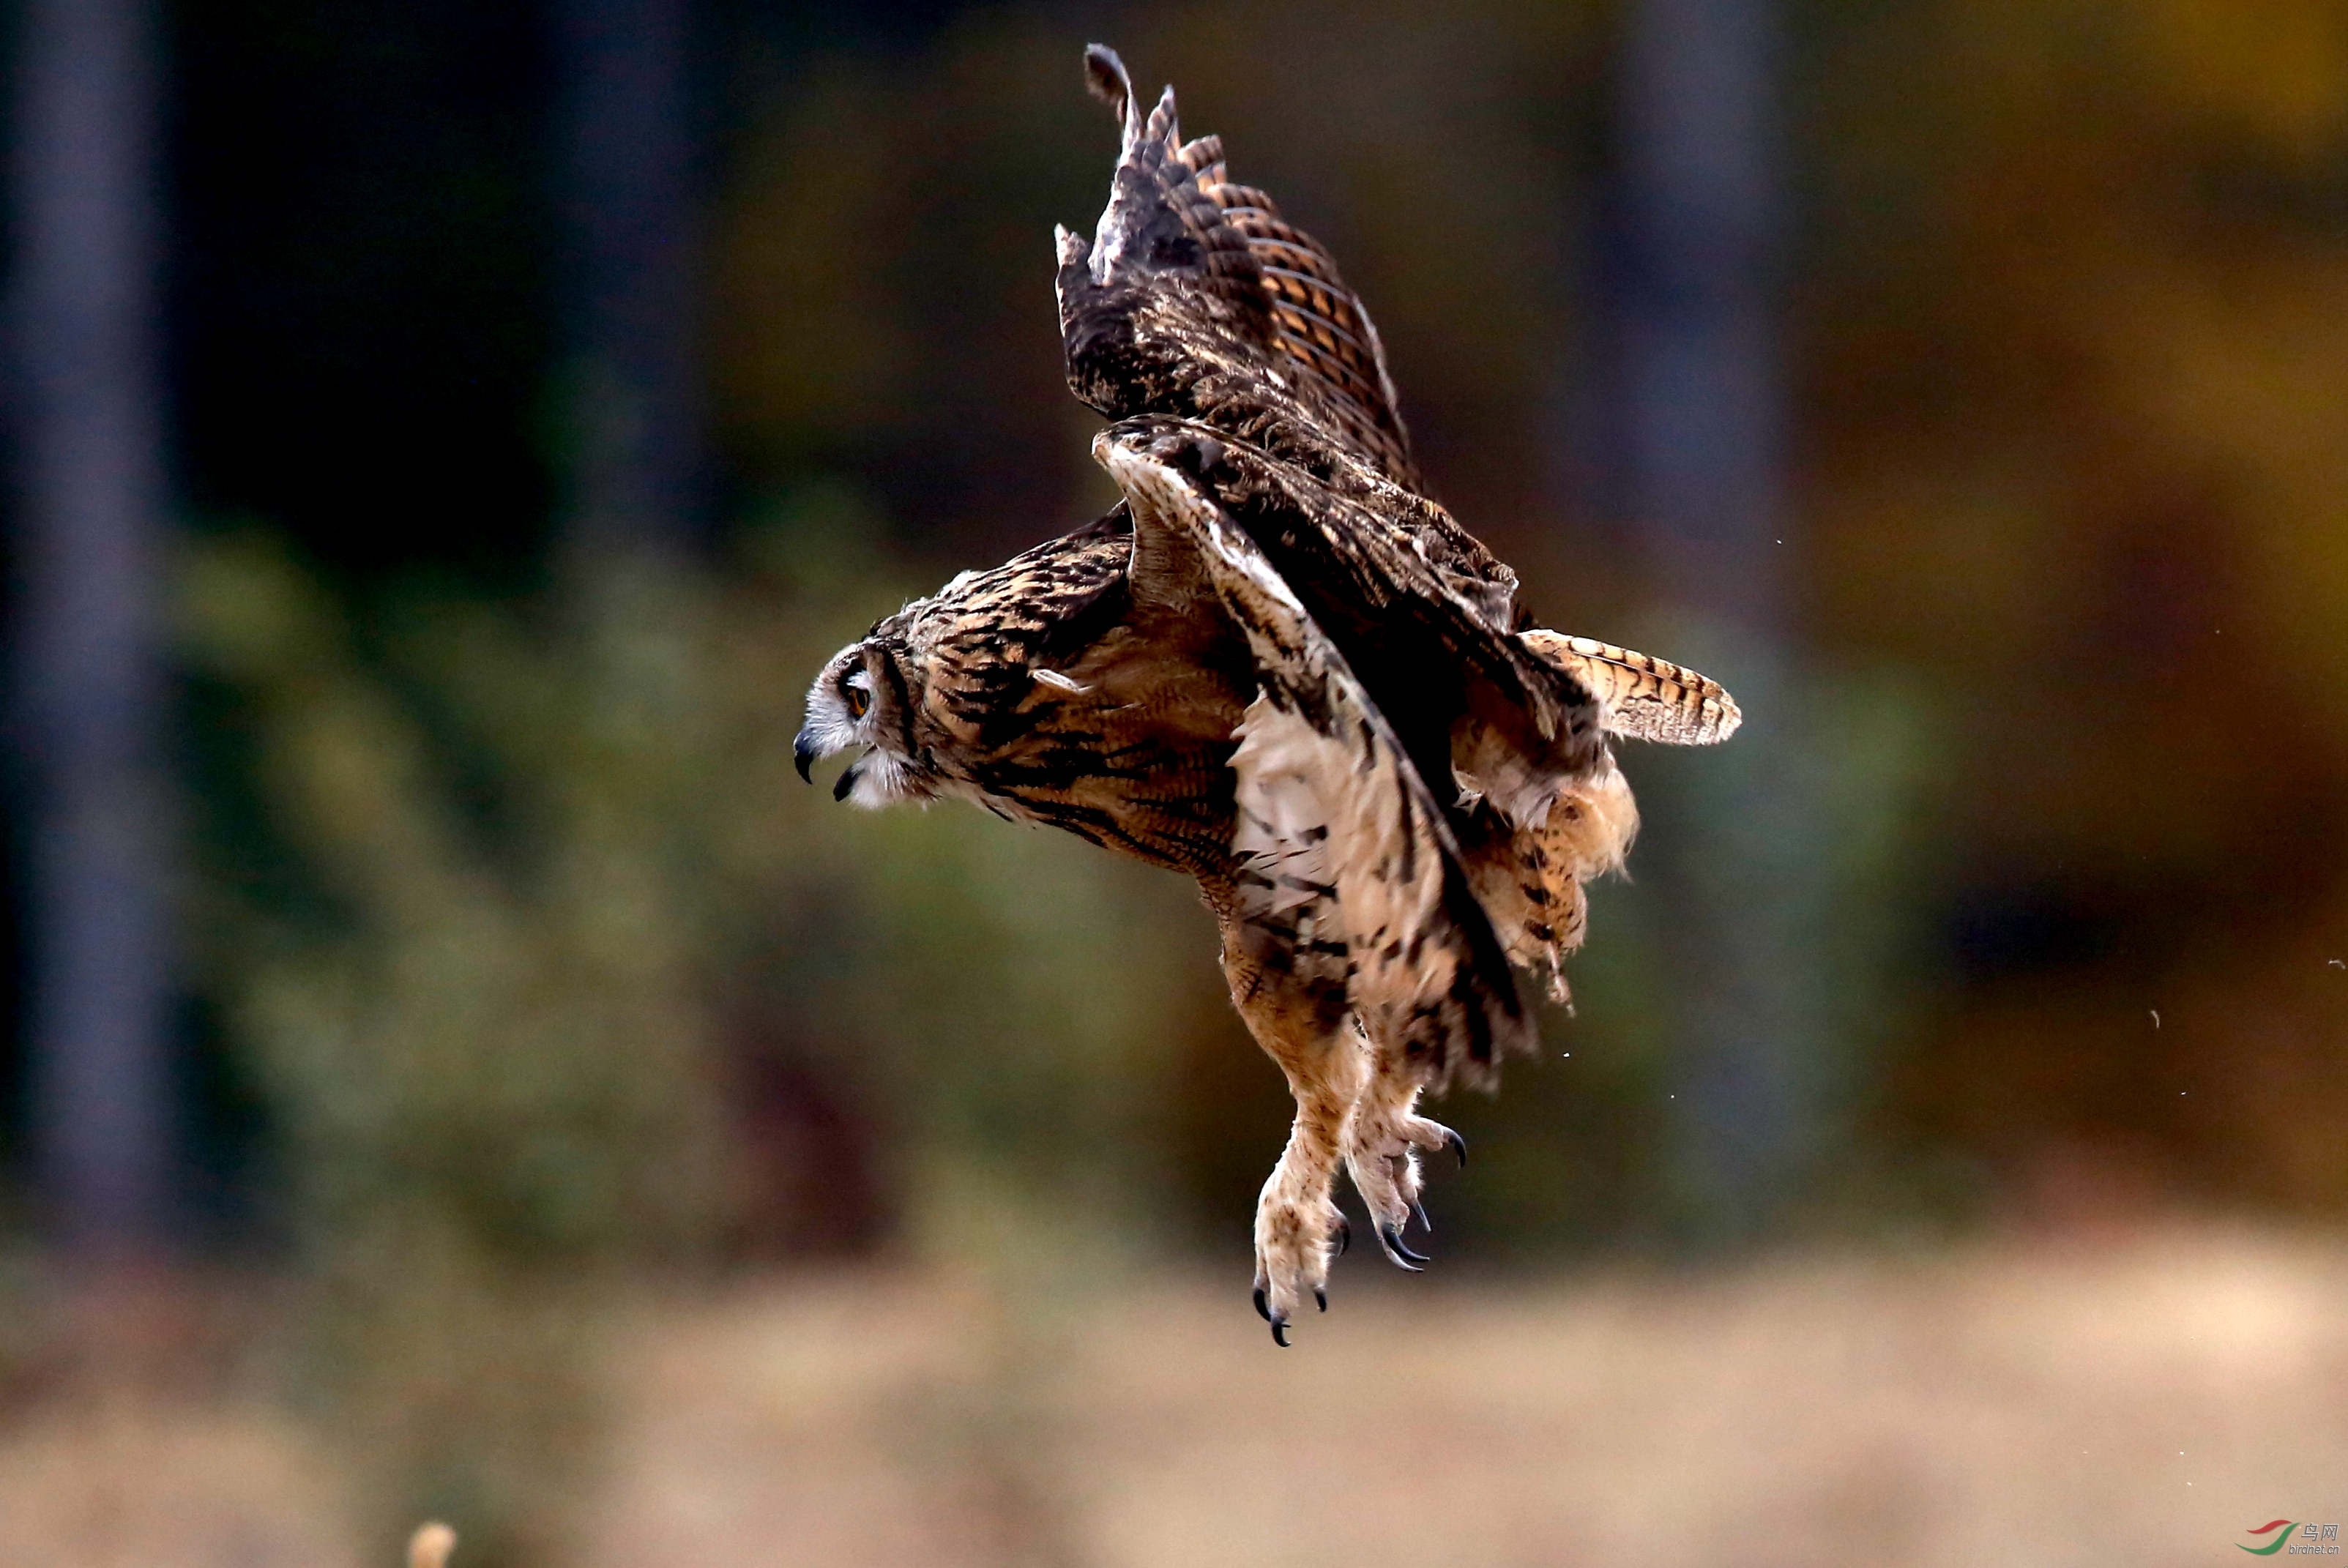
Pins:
x,y
1277,667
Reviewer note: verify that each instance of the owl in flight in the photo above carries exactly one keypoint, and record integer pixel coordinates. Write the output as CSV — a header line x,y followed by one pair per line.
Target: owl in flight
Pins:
x,y
1278,667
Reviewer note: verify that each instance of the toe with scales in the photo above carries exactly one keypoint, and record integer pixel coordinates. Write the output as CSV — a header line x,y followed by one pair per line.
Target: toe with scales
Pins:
x,y
1384,1138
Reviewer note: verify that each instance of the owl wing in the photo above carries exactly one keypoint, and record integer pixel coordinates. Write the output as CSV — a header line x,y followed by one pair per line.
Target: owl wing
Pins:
x,y
1643,697
1195,298
1428,639
1345,866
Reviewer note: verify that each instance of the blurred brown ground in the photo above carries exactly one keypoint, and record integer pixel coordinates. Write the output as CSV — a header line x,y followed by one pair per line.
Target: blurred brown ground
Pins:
x,y
533,982
2131,1395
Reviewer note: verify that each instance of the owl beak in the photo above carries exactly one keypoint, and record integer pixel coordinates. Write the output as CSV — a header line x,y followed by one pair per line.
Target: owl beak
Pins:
x,y
803,753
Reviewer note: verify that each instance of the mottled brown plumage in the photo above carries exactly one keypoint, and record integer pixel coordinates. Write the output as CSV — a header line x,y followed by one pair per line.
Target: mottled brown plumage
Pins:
x,y
1280,669
1043,690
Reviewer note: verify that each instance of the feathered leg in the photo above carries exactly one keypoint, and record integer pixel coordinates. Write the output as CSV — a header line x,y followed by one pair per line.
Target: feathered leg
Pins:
x,y
1305,1026
1384,1138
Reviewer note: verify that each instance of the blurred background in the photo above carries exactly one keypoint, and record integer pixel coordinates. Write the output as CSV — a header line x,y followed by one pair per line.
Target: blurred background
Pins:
x,y
453,1070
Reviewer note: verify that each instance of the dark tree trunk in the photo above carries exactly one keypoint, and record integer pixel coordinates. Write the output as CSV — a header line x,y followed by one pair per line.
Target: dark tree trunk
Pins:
x,y
1703,404
88,690
630,258
1698,404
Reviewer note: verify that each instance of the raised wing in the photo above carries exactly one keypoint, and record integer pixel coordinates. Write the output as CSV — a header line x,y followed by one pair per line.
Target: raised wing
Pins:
x,y
1430,641
1346,867
1195,298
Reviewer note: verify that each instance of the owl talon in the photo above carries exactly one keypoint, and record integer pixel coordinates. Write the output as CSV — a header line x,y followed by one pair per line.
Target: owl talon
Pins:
x,y
1280,1332
1344,1235
1297,1232
1399,1252
1384,1138
1321,1297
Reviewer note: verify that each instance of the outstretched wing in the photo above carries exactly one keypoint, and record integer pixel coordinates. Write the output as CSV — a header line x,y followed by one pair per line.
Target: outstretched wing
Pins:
x,y
1347,869
1195,298
1643,697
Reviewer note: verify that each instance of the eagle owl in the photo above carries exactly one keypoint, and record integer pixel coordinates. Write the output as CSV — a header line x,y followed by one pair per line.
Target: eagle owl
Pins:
x,y
1278,667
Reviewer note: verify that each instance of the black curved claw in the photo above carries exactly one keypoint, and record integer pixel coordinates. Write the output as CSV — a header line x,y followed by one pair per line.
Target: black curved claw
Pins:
x,y
1280,1332
803,755
1401,1253
1418,1207
1263,1307
1345,1235
1457,1145
1320,1296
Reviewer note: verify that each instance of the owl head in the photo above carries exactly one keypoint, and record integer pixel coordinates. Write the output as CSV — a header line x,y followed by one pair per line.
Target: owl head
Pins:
x,y
864,698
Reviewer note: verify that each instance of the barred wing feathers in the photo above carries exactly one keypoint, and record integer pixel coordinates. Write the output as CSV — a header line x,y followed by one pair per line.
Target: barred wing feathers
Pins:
x,y
1346,867
1643,697
1431,642
1195,297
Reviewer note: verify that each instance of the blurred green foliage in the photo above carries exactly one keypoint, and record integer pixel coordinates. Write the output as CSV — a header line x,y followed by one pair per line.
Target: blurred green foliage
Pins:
x,y
552,907
550,904
548,972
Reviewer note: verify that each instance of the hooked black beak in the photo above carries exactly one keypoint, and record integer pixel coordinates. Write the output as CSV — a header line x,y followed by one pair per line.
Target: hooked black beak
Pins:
x,y
847,779
803,754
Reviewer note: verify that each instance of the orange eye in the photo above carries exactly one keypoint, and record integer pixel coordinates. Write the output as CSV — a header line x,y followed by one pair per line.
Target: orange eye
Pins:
x,y
859,700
